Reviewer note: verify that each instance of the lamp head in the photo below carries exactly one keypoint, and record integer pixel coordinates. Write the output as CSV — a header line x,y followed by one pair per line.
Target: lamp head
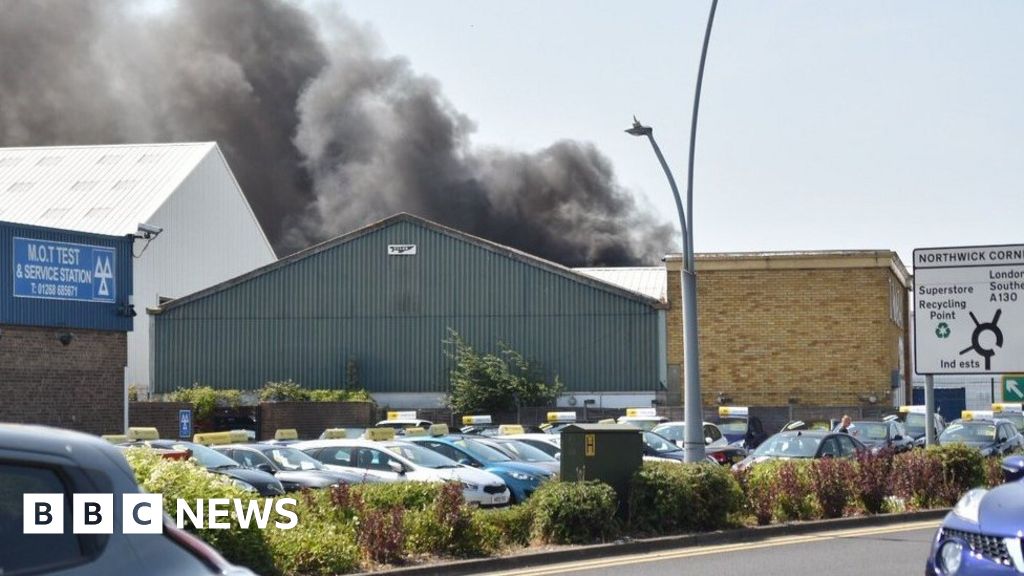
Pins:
x,y
639,129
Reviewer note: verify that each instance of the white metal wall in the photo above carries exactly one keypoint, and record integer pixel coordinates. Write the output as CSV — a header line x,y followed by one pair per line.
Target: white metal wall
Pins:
x,y
210,235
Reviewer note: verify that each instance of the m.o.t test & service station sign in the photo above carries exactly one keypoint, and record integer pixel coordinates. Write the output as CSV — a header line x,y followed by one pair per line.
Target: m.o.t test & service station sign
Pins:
x,y
969,310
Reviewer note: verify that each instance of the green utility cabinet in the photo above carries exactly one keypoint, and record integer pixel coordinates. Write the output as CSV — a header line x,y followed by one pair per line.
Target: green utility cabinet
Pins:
x,y
611,453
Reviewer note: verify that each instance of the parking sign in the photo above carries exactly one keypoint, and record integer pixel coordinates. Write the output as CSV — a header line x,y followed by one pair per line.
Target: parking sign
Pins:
x,y
184,424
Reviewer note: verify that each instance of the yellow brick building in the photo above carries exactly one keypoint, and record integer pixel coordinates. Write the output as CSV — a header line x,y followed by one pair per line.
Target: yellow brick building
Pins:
x,y
807,329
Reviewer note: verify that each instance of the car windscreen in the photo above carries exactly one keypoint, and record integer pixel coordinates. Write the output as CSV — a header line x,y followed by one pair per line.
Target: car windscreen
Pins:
x,y
481,452
659,444
671,431
524,452
207,457
789,446
421,456
1016,417
292,460
970,432
915,424
733,426
869,431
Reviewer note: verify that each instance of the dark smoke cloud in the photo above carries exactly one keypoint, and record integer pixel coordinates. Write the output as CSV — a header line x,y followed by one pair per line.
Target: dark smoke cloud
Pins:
x,y
324,132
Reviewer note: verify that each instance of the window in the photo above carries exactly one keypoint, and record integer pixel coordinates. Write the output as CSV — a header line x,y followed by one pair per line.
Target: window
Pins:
x,y
847,448
712,432
830,448
32,552
250,459
337,456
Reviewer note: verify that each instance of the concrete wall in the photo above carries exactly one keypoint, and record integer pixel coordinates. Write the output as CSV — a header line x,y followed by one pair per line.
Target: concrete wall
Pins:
x,y
78,386
814,329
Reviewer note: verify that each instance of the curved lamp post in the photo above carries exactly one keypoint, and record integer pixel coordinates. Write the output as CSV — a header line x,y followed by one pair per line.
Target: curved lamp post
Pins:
x,y
694,433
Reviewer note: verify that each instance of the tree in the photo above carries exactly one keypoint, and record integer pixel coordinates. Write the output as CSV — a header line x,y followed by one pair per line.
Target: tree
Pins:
x,y
494,382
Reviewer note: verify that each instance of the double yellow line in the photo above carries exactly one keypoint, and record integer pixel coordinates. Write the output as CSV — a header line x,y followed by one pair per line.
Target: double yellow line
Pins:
x,y
719,549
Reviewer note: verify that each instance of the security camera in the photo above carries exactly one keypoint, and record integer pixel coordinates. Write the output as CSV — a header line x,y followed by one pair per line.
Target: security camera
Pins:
x,y
148,231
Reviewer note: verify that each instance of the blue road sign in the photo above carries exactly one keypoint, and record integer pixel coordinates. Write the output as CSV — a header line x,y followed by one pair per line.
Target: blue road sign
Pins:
x,y
184,424
64,271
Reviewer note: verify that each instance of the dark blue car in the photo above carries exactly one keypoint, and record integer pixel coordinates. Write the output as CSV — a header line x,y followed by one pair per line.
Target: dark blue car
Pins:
x,y
982,535
522,479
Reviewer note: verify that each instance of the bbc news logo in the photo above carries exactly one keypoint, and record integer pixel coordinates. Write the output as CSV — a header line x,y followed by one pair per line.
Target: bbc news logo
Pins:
x,y
143,513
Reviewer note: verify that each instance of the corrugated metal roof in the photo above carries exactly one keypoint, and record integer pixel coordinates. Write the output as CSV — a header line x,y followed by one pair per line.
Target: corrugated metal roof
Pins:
x,y
647,280
97,189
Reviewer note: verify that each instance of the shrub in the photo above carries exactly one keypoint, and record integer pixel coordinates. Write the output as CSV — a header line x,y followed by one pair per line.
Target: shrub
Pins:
x,y
993,472
831,479
761,494
512,524
315,548
283,391
381,535
873,479
574,512
918,478
180,479
668,497
962,466
449,527
781,490
406,495
205,400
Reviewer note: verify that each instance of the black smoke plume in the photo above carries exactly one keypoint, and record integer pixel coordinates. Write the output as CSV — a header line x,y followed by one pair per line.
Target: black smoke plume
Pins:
x,y
324,132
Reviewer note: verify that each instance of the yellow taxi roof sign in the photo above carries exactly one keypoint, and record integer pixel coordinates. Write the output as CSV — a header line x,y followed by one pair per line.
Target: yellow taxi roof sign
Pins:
x,y
482,419
138,433
511,429
439,430
286,434
379,434
641,412
115,438
212,438
1008,407
561,416
915,409
733,411
402,415
334,434
239,436
415,431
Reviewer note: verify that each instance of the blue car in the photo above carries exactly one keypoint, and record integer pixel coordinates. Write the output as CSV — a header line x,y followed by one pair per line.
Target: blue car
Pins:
x,y
522,479
982,535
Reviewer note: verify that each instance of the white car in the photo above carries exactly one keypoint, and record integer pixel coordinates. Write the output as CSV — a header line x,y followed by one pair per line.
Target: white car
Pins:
x,y
396,461
551,444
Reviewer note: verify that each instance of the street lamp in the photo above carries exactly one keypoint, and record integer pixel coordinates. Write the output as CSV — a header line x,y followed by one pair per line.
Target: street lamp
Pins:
x,y
693,434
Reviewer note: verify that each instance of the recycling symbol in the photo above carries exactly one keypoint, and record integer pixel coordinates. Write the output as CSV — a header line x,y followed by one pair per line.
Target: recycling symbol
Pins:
x,y
942,331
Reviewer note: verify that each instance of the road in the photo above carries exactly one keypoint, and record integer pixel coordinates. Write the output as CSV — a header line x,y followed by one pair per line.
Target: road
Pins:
x,y
895,549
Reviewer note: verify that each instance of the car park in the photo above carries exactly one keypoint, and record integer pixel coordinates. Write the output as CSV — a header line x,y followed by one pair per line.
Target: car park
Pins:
x,y
400,461
740,427
992,436
878,436
42,460
715,444
294,468
799,444
982,534
247,479
522,479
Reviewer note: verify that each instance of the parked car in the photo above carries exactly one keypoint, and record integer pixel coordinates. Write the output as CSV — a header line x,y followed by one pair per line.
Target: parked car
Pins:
x,y
913,418
803,444
245,478
981,535
401,425
657,447
39,459
523,452
882,435
993,437
550,444
715,443
647,423
522,479
740,428
395,461
828,424
292,467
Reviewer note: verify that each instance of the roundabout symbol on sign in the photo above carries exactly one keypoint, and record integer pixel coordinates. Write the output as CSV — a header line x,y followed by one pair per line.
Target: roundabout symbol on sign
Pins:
x,y
979,329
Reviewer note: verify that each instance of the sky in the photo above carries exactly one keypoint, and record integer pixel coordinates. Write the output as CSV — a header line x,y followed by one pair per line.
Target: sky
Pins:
x,y
855,124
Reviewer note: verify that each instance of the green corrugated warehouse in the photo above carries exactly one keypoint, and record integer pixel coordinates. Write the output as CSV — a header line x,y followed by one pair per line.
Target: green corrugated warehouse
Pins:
x,y
385,295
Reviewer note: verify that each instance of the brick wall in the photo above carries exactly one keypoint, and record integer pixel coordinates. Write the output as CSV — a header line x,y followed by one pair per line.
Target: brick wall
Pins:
x,y
160,415
312,418
78,386
772,335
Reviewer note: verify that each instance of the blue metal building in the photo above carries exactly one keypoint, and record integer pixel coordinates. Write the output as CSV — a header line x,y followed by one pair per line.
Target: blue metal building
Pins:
x,y
385,296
